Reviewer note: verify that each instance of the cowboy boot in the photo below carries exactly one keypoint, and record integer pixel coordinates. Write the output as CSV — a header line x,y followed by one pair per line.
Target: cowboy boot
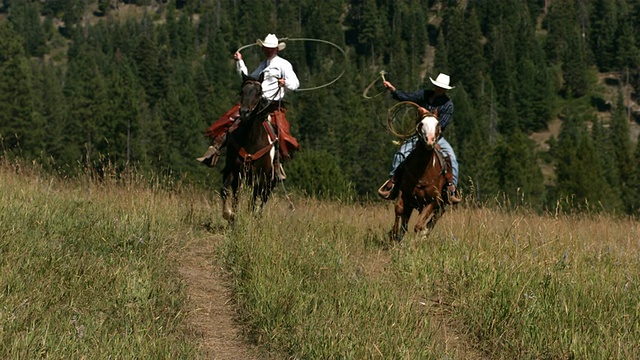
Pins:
x,y
212,155
451,192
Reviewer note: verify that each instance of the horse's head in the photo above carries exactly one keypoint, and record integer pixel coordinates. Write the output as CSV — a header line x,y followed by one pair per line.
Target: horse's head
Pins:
x,y
251,95
429,130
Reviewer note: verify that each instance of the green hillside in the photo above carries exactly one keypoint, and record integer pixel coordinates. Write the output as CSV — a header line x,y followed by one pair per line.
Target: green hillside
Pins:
x,y
546,92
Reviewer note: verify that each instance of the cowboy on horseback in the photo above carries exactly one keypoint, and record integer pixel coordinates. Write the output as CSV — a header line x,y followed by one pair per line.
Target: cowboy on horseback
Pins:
x,y
435,101
278,79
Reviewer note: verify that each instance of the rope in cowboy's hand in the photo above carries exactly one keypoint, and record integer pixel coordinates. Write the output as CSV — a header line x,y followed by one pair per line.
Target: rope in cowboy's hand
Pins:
x,y
366,90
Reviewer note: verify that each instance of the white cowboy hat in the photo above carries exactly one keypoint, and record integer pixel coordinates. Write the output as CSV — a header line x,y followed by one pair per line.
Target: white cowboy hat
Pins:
x,y
271,41
442,81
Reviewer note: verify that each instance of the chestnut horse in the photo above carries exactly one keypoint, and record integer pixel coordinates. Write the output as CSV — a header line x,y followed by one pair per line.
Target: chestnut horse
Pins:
x,y
251,149
420,180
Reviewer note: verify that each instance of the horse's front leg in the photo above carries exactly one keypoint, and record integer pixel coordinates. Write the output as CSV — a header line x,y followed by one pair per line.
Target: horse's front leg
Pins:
x,y
424,217
439,211
228,208
395,231
261,189
402,219
266,192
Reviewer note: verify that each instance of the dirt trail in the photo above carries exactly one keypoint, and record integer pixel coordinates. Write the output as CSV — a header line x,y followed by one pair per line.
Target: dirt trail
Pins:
x,y
211,313
212,316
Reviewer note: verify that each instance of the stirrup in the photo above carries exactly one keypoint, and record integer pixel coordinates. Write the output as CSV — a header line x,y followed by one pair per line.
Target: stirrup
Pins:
x,y
280,174
386,190
452,197
210,157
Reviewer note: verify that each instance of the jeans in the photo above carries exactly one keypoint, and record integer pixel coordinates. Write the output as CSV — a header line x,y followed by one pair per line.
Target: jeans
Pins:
x,y
410,144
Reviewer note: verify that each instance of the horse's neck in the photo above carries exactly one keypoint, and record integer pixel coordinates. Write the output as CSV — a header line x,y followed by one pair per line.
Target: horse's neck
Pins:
x,y
421,152
422,157
253,132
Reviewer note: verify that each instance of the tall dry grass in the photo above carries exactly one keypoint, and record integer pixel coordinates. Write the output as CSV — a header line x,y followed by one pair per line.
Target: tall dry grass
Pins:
x,y
89,270
323,282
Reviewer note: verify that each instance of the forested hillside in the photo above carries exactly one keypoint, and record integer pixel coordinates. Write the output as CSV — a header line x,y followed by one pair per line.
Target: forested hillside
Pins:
x,y
89,83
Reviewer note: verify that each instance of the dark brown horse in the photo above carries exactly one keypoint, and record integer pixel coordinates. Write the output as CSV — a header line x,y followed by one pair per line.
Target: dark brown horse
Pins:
x,y
420,181
251,150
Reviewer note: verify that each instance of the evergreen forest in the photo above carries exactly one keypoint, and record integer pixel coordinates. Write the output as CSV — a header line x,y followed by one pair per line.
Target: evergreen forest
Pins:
x,y
546,91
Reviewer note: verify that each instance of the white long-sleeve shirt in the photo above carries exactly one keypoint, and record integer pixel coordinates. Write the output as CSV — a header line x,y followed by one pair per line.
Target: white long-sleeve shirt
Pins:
x,y
273,70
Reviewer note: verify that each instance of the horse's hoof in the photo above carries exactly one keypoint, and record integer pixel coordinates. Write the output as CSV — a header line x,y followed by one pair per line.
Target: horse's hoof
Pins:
x,y
228,215
395,237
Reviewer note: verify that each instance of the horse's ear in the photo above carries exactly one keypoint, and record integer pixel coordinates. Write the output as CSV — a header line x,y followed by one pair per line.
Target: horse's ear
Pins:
x,y
245,78
435,113
261,77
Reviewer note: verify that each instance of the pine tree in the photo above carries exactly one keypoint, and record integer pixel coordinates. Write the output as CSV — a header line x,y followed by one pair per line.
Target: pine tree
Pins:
x,y
317,173
620,142
471,134
85,91
370,32
535,92
123,116
602,32
441,59
502,65
464,49
182,122
181,34
580,176
633,196
605,150
560,24
26,18
519,175
148,65
534,95
72,16
359,136
52,107
16,97
627,47
575,67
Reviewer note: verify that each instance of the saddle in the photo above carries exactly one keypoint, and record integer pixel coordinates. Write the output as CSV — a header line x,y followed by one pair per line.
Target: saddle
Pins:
x,y
445,162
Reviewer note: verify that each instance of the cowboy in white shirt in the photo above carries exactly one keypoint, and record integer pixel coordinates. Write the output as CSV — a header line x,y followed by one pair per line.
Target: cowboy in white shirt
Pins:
x,y
279,78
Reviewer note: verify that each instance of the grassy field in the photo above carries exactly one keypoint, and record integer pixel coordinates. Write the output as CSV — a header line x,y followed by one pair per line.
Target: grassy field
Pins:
x,y
89,271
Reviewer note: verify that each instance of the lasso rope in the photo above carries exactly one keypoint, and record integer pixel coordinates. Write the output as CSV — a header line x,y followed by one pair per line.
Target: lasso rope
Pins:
x,y
398,115
366,90
308,39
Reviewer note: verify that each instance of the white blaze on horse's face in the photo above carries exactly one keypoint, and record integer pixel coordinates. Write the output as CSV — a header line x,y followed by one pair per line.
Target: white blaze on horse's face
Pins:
x,y
429,130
